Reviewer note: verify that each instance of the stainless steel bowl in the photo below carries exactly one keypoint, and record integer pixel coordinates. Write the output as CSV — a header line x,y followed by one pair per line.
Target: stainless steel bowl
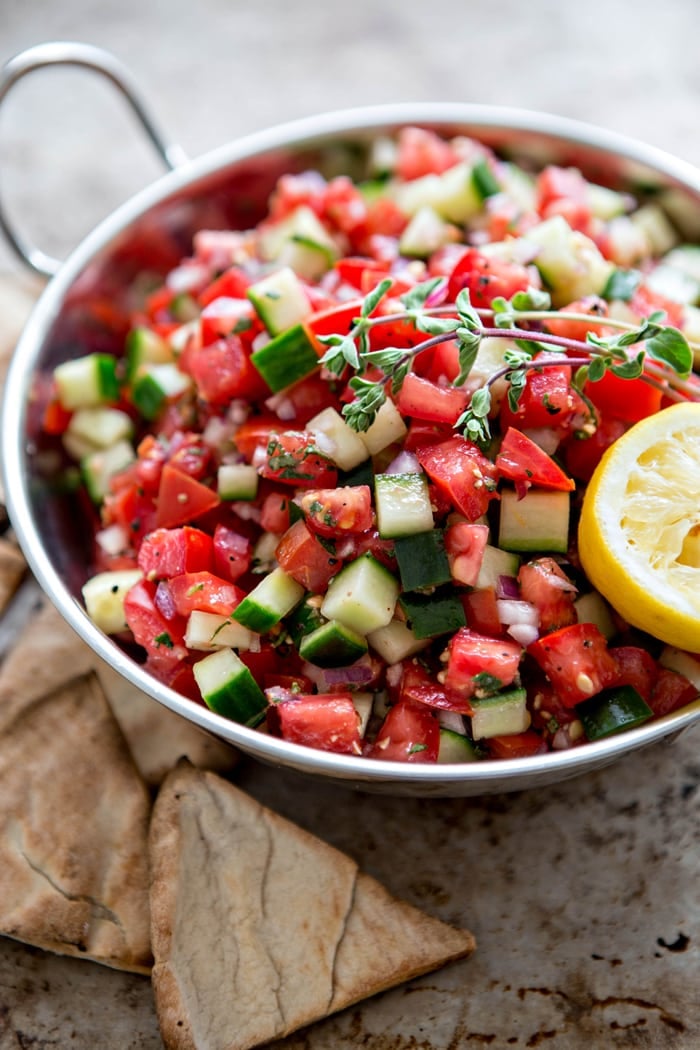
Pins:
x,y
229,187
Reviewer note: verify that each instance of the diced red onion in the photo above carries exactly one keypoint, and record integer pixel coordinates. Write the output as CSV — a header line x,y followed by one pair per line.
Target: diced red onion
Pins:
x,y
282,406
259,457
113,540
238,411
261,340
545,437
438,295
511,611
523,633
561,740
255,644
218,247
218,433
246,511
354,674
188,276
164,601
226,306
453,721
507,587
404,463
277,694
393,675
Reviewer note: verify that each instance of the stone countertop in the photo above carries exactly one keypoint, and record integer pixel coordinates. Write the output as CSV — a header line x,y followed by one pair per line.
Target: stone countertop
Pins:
x,y
583,896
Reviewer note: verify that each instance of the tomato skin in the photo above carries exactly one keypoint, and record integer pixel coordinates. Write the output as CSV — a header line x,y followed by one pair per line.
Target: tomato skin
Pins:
x,y
190,455
422,152
544,585
421,434
308,397
56,418
161,638
481,611
567,329
409,733
487,278
274,513
232,553
461,471
517,745
223,371
301,555
670,692
418,686
335,512
255,433
547,400
204,592
181,498
636,667
423,399
521,460
231,284
325,721
471,654
582,455
171,552
293,459
465,543
626,399
577,662
352,270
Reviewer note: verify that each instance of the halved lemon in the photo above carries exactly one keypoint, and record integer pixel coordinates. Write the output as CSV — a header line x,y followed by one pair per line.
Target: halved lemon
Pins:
x,y
639,534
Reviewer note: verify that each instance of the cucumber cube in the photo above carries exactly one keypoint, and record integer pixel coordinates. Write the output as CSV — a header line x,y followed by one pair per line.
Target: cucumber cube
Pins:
x,y
337,440
208,632
403,506
237,481
456,747
104,595
362,596
396,641
99,427
286,359
155,385
537,522
495,563
98,468
430,615
387,428
500,715
592,608
333,644
144,347
422,560
274,597
280,300
87,381
228,687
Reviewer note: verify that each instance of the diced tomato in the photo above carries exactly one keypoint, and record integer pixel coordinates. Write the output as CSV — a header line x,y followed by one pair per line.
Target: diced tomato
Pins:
x,y
564,191
255,433
231,284
422,399
627,399
421,434
462,472
325,721
190,455
171,552
521,460
181,679
301,555
645,301
307,398
487,278
274,513
419,686
158,302
291,191
357,544
204,592
409,733
443,364
344,206
384,219
56,418
583,454
671,691
472,655
224,317
465,543
293,459
547,400
336,320
161,638
549,589
232,553
576,660
223,371
593,305
131,508
335,512
265,662
182,498
481,611
636,667
422,152
351,269
516,745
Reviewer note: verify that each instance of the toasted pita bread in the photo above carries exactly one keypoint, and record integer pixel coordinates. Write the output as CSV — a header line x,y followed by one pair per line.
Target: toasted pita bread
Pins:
x,y
157,737
259,928
74,818
12,569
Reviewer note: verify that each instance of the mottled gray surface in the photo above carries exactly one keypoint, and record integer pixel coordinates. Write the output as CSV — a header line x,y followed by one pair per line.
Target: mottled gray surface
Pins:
x,y
584,897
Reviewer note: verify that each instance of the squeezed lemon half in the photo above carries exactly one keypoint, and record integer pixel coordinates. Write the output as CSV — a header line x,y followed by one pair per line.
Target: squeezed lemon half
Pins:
x,y
639,534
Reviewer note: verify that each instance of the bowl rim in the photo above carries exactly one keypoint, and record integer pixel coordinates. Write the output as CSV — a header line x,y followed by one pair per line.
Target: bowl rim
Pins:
x,y
510,774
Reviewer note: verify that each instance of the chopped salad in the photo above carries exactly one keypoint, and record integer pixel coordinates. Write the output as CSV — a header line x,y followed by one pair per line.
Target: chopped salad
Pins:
x,y
337,473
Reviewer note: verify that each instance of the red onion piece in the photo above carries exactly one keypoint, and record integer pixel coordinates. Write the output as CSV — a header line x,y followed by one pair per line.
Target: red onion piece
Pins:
x,y
512,612
405,463
438,295
164,601
507,587
523,633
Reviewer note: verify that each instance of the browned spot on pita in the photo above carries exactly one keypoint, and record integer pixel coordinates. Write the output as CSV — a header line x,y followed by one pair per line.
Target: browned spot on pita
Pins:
x,y
12,569
259,928
73,831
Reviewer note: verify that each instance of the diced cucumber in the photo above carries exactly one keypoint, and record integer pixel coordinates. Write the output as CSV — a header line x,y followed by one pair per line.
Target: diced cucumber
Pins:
x,y
396,641
592,608
402,503
155,385
422,560
280,300
605,203
425,233
208,632
333,644
271,600
100,427
684,663
685,257
98,468
673,283
570,263
430,615
627,243
301,242
337,440
228,687
287,358
613,711
519,185
456,747
496,563
484,180
104,595
305,619
362,596
264,556
184,308
655,225
500,715
145,347
454,194
87,381
237,481
388,427
363,704
537,522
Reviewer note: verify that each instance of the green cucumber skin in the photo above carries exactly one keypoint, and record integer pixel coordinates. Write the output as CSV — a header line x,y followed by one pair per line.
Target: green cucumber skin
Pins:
x,y
431,615
422,559
613,711
286,359
332,645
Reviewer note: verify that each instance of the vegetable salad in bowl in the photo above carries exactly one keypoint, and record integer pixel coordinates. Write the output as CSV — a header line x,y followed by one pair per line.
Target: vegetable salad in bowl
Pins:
x,y
410,469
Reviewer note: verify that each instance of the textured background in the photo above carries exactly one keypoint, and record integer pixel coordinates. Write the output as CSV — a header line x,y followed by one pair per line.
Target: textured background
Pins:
x,y
584,897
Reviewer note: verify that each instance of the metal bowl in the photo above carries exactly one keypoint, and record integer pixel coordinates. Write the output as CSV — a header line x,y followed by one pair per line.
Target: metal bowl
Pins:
x,y
228,188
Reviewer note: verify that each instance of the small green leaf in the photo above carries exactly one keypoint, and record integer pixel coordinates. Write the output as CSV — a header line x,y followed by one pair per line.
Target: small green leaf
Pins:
x,y
481,402
597,369
373,298
621,284
415,297
629,369
531,299
436,325
579,378
467,314
671,346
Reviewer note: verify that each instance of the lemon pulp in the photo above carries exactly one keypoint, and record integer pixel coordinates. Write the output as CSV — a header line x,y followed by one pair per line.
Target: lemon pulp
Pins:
x,y
639,534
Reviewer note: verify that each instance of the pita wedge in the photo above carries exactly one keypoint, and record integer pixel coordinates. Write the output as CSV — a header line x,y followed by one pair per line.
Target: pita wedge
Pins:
x,y
156,736
74,818
259,928
12,569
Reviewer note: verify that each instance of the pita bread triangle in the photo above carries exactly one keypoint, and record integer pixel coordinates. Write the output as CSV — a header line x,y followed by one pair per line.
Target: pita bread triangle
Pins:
x,y
259,928
74,818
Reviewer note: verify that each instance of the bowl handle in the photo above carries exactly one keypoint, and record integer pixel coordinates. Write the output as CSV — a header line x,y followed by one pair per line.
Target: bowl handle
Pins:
x,y
69,53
